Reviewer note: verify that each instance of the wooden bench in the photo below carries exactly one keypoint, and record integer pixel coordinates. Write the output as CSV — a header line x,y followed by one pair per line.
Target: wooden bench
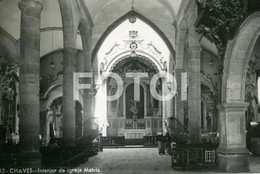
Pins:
x,y
194,155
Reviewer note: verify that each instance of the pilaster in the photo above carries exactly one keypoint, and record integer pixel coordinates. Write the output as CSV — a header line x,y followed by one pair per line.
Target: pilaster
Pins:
x,y
232,153
179,102
194,96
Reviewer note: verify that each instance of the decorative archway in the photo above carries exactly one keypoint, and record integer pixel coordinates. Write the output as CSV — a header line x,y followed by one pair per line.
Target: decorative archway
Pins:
x,y
236,59
109,60
232,152
125,17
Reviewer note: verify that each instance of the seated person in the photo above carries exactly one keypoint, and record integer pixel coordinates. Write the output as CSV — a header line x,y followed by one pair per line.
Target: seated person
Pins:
x,y
53,144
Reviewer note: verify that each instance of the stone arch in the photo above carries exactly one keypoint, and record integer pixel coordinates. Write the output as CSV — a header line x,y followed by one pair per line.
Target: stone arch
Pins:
x,y
143,56
69,33
52,88
125,17
86,33
233,107
51,100
180,43
236,59
10,52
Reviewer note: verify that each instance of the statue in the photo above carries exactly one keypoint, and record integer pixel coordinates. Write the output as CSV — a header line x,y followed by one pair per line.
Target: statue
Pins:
x,y
208,118
133,107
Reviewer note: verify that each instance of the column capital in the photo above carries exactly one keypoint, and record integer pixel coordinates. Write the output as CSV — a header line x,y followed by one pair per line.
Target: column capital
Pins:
x,y
30,4
194,49
239,106
70,50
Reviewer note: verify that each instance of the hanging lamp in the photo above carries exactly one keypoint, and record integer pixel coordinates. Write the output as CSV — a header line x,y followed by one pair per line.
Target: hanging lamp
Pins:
x,y
52,64
132,17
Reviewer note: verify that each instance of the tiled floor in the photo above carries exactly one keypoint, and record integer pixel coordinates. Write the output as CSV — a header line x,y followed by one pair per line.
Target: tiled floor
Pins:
x,y
255,164
141,161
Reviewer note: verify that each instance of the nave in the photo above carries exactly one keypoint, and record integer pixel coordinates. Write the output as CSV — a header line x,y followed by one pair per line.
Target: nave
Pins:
x,y
69,69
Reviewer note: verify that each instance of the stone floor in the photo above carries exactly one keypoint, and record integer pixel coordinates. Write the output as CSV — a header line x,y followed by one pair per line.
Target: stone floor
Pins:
x,y
141,161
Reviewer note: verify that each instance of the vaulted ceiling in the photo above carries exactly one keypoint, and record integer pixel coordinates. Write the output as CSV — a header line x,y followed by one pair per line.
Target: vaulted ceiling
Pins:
x,y
95,6
51,19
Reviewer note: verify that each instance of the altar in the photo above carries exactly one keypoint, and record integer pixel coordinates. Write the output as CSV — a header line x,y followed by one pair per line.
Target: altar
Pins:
x,y
133,116
134,134
134,130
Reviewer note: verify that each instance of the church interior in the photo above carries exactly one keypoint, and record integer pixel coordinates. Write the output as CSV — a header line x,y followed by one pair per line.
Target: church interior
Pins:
x,y
84,76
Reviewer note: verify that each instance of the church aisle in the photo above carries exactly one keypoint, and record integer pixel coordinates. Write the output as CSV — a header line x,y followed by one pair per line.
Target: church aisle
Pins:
x,y
254,164
134,161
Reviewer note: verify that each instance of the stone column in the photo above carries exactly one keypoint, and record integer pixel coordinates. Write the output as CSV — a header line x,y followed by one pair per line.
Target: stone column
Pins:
x,y
232,152
87,96
194,96
179,102
79,68
29,126
101,108
168,107
69,116
87,108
